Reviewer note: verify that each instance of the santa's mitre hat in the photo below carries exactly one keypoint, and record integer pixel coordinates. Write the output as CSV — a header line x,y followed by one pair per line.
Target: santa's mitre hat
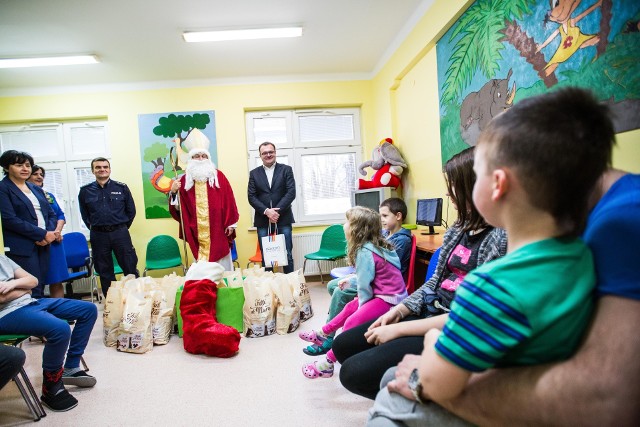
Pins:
x,y
196,142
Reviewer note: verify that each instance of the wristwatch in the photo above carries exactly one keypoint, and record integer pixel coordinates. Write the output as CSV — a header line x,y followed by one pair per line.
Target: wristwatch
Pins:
x,y
415,386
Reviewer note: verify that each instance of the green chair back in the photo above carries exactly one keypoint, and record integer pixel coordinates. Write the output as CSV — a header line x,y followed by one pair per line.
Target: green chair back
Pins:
x,y
163,252
333,244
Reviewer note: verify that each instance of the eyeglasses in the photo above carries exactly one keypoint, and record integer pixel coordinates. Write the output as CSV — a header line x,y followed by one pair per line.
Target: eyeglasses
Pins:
x,y
267,153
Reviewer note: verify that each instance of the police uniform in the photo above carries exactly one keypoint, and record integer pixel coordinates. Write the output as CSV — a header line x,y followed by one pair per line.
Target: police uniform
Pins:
x,y
108,212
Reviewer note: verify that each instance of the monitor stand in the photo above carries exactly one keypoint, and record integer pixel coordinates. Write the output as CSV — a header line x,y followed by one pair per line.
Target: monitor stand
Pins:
x,y
430,232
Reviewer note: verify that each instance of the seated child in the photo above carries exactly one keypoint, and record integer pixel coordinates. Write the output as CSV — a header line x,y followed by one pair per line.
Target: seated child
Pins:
x,y
536,165
380,284
393,211
20,314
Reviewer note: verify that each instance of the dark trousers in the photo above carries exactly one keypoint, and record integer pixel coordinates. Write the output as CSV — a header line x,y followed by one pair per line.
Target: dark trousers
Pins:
x,y
11,360
364,364
48,317
118,241
288,240
37,264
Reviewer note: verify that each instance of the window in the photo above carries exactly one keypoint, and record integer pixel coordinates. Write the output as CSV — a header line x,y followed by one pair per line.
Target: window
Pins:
x,y
65,151
323,147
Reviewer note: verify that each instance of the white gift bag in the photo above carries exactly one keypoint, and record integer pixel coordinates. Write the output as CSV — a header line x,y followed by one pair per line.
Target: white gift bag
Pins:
x,y
274,249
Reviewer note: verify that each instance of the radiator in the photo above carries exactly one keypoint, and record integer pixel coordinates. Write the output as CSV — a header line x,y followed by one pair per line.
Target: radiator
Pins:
x,y
305,243
80,286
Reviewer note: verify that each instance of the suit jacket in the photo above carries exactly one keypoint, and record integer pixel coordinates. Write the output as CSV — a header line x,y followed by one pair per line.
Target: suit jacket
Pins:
x,y
280,194
19,222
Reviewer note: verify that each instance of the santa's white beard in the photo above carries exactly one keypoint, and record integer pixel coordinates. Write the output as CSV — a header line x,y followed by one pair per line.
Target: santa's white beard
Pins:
x,y
201,171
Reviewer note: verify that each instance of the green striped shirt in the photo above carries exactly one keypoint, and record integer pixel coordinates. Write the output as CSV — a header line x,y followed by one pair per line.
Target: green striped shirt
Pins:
x,y
528,307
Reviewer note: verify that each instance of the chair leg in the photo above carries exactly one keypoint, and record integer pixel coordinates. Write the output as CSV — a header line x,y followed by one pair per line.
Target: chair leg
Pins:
x,y
320,270
304,264
29,395
84,364
144,273
94,288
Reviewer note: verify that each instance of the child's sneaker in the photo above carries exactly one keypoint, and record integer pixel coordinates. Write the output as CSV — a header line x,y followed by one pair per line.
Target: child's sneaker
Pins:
x,y
319,350
318,369
80,379
63,401
314,337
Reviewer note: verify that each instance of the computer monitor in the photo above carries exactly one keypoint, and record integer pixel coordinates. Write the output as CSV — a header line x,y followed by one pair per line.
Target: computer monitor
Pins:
x,y
429,213
372,197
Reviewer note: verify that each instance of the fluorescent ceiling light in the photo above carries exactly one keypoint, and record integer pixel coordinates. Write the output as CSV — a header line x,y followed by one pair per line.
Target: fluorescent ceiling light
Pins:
x,y
50,61
247,34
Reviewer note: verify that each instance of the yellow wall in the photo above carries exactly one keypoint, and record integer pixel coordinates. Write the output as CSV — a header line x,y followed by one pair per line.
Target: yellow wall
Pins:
x,y
401,102
229,103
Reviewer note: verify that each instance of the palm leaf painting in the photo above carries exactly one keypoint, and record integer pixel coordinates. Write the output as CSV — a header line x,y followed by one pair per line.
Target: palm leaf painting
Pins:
x,y
500,51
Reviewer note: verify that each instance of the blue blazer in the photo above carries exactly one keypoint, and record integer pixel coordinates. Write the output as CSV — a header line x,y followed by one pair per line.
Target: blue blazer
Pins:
x,y
280,194
19,222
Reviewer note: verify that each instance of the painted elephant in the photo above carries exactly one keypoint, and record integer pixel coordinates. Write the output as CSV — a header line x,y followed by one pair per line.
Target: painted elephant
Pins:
x,y
478,108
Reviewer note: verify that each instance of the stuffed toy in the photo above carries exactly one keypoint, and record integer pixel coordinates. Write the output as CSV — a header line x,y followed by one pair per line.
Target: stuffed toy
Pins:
x,y
388,164
202,332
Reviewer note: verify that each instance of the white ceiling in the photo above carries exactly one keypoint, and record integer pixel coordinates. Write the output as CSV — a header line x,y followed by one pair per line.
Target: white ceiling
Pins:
x,y
140,45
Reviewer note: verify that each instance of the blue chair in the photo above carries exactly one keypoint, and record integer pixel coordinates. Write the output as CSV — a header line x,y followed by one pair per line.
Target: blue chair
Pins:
x,y
340,272
431,268
79,260
234,254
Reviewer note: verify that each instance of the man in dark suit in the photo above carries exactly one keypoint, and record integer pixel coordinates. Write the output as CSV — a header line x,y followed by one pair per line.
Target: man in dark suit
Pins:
x,y
272,189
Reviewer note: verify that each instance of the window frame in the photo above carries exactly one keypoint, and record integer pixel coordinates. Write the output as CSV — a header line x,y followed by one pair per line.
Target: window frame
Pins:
x,y
66,162
297,149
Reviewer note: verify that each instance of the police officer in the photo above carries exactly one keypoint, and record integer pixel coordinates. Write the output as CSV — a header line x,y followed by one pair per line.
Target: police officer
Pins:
x,y
108,210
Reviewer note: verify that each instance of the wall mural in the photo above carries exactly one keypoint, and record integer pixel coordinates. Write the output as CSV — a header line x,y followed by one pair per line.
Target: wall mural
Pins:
x,y
501,51
164,156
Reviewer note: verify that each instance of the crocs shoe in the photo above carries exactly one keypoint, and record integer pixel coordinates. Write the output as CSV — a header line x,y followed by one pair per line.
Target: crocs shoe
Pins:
x,y
313,337
319,350
310,370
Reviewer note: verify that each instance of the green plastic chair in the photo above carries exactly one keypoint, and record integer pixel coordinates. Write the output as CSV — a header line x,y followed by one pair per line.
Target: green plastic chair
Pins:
x,y
22,380
333,246
163,252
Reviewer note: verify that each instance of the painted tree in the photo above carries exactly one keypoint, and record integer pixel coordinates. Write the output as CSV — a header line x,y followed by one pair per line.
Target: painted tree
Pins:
x,y
482,30
179,127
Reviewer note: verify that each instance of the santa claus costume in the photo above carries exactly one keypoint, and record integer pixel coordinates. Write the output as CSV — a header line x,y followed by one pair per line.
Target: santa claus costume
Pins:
x,y
206,203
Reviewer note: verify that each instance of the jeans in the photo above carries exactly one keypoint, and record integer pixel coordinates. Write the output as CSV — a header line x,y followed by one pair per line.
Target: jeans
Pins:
x,y
48,318
288,240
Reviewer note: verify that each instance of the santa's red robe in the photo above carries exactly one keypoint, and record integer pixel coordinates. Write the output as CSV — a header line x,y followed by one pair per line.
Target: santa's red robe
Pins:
x,y
223,212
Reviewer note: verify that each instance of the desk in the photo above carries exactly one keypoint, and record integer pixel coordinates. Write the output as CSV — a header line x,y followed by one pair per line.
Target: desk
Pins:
x,y
426,245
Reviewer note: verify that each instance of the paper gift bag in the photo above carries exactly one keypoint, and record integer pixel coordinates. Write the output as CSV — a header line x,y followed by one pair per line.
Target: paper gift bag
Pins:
x,y
274,250
259,307
288,310
301,294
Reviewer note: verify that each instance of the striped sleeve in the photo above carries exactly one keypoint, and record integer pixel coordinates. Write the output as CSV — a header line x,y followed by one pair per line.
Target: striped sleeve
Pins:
x,y
484,324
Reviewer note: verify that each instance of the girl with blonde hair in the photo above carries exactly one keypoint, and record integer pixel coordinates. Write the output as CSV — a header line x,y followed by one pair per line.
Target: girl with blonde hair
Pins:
x,y
379,283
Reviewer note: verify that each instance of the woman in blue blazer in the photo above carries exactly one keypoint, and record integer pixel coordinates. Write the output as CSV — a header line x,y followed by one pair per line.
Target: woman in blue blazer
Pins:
x,y
28,221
